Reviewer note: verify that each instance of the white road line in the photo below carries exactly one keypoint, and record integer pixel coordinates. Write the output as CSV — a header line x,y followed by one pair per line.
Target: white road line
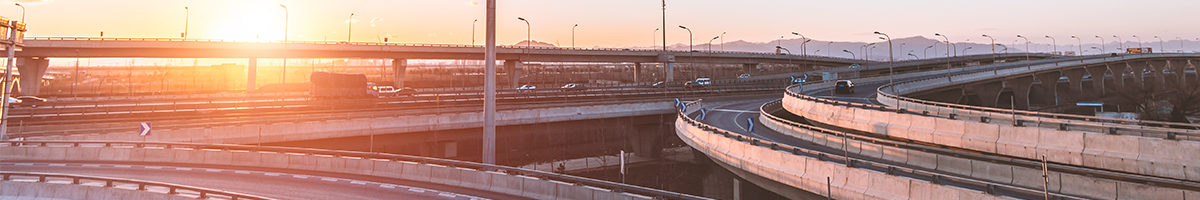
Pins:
x,y
24,164
329,179
737,111
446,194
242,172
183,169
358,182
213,170
91,165
299,176
153,167
122,166
58,165
416,190
389,186
271,174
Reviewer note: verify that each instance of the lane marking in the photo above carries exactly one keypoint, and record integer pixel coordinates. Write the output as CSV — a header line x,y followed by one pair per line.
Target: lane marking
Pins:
x,y
183,169
271,174
213,170
241,172
388,186
24,164
299,176
358,182
123,166
329,179
91,165
58,165
737,111
153,167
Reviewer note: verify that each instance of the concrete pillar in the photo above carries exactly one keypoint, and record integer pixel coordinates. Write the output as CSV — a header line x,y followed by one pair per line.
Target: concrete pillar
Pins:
x,y
1139,69
513,69
1157,67
637,72
1195,64
748,68
988,93
1097,72
399,69
1177,67
251,74
1075,80
1049,83
1020,86
737,189
670,72
1118,72
31,69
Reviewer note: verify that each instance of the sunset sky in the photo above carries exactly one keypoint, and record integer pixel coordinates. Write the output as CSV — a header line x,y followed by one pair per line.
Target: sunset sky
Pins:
x,y
611,23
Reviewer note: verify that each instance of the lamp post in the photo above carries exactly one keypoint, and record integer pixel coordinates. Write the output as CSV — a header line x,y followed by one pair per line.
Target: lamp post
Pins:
x,y
722,40
23,12
947,43
1180,44
852,56
830,45
349,27
187,18
689,37
1101,44
1160,43
964,51
653,37
926,54
1080,41
528,39
283,78
664,24
1120,41
993,47
489,88
710,43
473,32
1100,49
573,35
1053,43
803,46
1027,50
914,56
1139,41
891,61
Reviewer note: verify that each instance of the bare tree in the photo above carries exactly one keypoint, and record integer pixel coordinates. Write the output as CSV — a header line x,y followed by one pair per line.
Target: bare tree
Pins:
x,y
1173,102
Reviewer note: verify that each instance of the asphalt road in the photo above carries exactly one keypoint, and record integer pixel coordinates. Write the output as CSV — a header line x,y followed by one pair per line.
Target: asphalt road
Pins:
x,y
268,184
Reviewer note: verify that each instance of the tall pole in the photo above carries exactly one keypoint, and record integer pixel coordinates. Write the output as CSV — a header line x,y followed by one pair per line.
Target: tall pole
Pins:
x,y
653,38
1053,43
1120,41
22,12
489,88
710,43
573,35
947,44
926,54
187,18
1160,43
1080,41
723,41
689,37
473,32
852,56
1026,46
283,78
528,29
804,45
891,61
1180,44
349,27
993,47
1102,50
827,47
8,80
1139,41
664,24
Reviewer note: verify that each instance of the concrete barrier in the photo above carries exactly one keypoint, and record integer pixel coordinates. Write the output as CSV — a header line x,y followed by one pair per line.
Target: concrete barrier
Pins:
x,y
34,190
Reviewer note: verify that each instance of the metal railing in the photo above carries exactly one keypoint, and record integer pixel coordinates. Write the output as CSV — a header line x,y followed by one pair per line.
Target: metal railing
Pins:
x,y
1169,130
576,180
938,178
172,189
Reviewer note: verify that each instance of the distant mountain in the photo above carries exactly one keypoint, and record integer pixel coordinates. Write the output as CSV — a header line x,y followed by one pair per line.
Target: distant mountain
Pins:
x,y
534,44
916,45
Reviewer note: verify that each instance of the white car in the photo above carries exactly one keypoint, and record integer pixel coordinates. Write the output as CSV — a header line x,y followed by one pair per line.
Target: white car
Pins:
x,y
744,76
526,88
12,101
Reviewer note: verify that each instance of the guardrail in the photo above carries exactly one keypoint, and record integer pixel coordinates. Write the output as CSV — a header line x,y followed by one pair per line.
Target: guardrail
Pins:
x,y
1169,130
172,189
845,160
616,187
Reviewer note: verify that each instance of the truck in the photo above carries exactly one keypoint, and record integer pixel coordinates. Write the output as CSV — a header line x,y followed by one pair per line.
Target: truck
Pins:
x,y
340,85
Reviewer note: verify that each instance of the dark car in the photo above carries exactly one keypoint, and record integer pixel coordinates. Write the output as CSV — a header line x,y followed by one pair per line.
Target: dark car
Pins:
x,y
574,87
659,84
406,91
844,86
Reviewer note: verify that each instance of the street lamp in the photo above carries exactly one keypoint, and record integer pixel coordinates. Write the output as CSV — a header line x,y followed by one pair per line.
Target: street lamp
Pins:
x,y
947,43
473,32
1180,44
710,43
852,56
964,51
1027,50
23,12
689,37
993,47
1139,41
187,17
926,54
528,39
283,78
1160,43
1053,43
349,27
830,45
803,46
573,35
722,40
1101,49
891,60
1120,41
1101,43
653,35
1080,44
914,56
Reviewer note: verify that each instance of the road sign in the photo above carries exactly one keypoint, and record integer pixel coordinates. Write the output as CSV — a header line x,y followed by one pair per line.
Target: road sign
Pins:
x,y
750,123
144,129
703,112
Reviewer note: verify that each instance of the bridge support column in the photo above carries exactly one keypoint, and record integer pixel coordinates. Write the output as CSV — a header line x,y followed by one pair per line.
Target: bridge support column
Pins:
x,y
399,69
1020,87
1177,67
1097,73
1139,70
1050,83
637,72
748,68
988,93
251,74
1195,64
32,69
1157,67
670,72
1075,80
513,69
1118,72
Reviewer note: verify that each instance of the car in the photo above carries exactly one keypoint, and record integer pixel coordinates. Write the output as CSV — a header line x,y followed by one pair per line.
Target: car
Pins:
x,y
526,88
385,90
703,81
844,86
573,86
797,80
659,84
406,91
31,101
744,76
12,101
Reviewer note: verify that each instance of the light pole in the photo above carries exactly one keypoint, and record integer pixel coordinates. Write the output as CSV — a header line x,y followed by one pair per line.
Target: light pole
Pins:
x,y
187,18
1101,44
489,88
1120,41
852,56
914,56
573,35
473,32
653,36
947,43
803,46
993,47
283,78
830,45
1160,43
1027,50
528,39
891,61
964,51
664,25
1080,44
926,54
1139,41
1053,43
689,37
710,43
23,12
349,27
1180,44
1100,49
722,40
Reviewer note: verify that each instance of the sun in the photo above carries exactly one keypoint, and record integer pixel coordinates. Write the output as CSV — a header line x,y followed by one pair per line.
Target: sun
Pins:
x,y
249,21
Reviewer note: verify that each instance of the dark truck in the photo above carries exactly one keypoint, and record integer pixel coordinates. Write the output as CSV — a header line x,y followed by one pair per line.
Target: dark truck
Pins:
x,y
340,85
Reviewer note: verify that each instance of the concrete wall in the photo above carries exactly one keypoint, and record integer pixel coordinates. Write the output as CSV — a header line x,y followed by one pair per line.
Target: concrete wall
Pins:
x,y
511,184
335,128
810,174
34,190
1029,178
1132,154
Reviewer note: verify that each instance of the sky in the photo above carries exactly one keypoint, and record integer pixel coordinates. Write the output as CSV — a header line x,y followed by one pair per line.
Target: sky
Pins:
x,y
612,23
